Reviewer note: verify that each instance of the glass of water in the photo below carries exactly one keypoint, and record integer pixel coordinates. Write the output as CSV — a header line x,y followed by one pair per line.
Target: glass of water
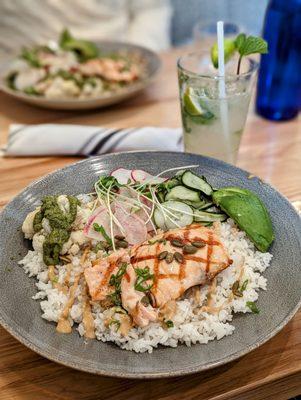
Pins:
x,y
213,123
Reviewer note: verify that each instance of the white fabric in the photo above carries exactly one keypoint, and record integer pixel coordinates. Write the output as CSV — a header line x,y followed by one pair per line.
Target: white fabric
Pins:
x,y
145,22
56,139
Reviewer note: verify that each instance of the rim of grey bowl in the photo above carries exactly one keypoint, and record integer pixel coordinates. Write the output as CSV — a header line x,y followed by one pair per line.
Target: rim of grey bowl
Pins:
x,y
135,87
155,375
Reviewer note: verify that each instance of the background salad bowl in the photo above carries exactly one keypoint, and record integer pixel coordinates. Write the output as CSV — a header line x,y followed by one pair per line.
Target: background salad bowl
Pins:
x,y
151,65
20,315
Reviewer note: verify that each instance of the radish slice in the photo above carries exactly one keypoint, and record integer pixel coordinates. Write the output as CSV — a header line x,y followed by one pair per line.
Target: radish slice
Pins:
x,y
100,217
122,175
134,227
138,175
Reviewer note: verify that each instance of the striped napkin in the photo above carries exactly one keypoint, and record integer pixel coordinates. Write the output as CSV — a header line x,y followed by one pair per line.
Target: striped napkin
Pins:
x,y
80,140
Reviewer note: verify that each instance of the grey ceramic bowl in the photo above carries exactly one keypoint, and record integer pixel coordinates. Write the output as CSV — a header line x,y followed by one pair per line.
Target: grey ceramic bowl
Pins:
x,y
21,315
152,66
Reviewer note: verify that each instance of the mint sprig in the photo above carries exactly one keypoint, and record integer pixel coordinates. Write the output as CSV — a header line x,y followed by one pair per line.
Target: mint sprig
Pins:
x,y
244,45
247,45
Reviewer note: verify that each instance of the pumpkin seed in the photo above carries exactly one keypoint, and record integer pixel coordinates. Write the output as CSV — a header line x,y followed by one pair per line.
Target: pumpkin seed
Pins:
x,y
189,249
178,257
123,244
162,255
198,243
169,258
119,237
176,243
235,289
152,299
145,300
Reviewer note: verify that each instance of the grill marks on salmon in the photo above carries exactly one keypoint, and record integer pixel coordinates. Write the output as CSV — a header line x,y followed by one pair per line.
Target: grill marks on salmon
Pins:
x,y
170,279
98,276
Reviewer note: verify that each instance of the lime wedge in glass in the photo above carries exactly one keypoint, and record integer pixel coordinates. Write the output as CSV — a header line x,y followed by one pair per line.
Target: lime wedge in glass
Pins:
x,y
195,107
192,103
229,47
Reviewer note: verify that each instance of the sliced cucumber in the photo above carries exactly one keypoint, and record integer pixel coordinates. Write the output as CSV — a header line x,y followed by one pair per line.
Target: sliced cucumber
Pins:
x,y
195,204
183,194
203,216
214,210
172,183
194,181
173,214
161,196
206,206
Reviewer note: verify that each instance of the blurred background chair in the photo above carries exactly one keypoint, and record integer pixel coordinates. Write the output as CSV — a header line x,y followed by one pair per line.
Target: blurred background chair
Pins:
x,y
247,14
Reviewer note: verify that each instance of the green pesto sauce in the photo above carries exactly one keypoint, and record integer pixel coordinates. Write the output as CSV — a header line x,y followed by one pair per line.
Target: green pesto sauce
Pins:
x,y
60,224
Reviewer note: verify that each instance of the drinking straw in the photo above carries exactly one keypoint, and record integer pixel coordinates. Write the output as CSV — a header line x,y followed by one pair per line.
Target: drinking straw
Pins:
x,y
221,84
221,59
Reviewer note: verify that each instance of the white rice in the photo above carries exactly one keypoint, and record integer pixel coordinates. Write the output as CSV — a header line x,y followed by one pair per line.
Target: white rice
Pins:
x,y
191,324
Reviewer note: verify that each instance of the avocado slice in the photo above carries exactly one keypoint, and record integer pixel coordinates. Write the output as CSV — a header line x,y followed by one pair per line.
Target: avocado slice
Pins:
x,y
83,48
249,213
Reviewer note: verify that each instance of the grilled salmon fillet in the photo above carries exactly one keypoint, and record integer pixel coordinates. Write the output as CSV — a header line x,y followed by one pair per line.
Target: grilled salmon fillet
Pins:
x,y
98,276
176,260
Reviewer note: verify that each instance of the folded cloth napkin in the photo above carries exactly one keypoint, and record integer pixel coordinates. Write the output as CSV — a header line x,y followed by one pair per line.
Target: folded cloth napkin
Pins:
x,y
80,140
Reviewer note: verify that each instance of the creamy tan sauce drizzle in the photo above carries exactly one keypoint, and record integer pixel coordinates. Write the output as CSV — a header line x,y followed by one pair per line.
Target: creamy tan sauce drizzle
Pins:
x,y
52,276
210,308
88,320
63,325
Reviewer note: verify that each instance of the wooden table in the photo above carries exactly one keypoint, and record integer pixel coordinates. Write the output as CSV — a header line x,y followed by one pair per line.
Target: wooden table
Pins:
x,y
270,150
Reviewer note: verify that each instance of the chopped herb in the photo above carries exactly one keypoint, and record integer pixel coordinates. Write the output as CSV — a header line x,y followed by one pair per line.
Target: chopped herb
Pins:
x,y
56,217
116,323
101,229
55,279
115,298
115,280
31,57
108,182
253,307
143,275
157,241
244,285
98,247
169,324
31,91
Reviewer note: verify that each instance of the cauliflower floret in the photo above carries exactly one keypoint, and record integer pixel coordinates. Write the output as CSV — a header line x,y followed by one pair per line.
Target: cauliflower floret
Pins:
x,y
56,62
37,242
27,227
29,77
81,219
66,246
94,89
63,203
62,88
76,238
74,249
79,237
46,225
